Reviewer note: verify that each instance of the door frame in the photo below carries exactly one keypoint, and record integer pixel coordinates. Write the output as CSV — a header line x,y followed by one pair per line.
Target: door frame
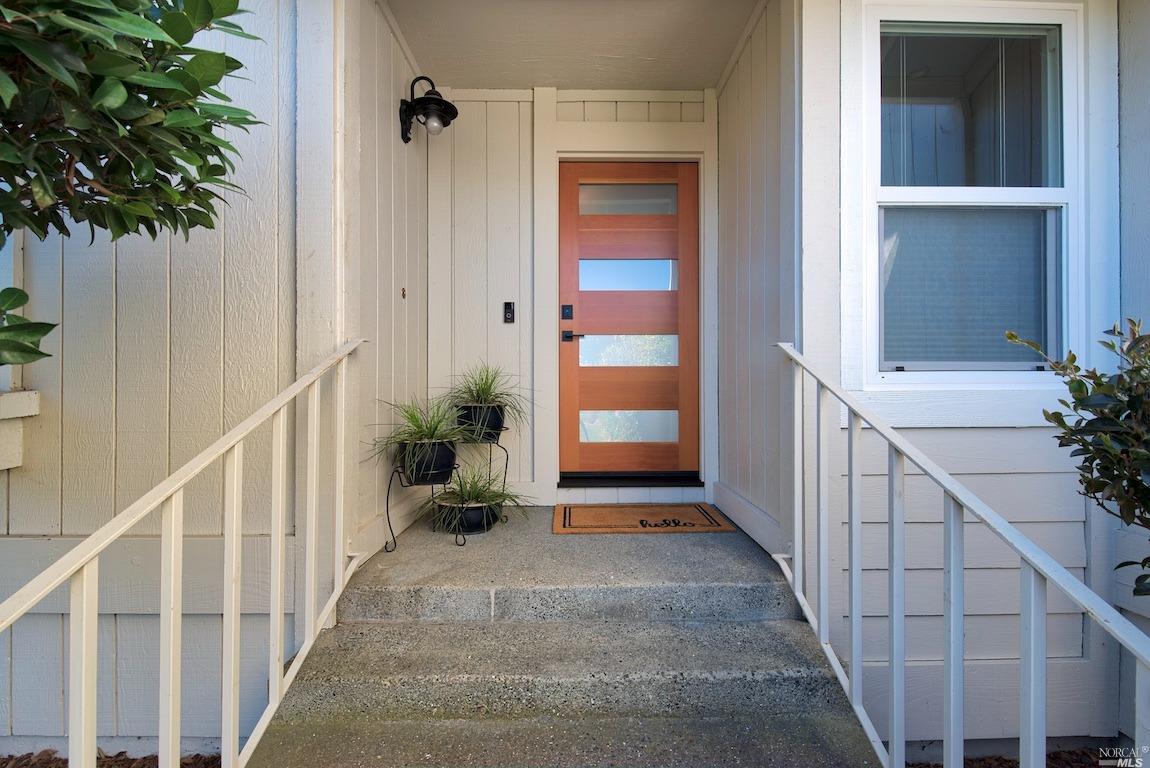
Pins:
x,y
587,141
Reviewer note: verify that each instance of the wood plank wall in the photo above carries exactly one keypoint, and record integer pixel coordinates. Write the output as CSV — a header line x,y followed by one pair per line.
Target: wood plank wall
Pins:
x,y
164,346
386,230
1020,472
1134,66
752,244
480,177
629,107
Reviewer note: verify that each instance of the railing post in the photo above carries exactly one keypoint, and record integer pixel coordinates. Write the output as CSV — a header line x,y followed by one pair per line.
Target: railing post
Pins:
x,y
1142,706
311,513
171,618
83,618
233,545
1032,701
797,545
278,556
338,545
953,607
896,509
822,510
854,554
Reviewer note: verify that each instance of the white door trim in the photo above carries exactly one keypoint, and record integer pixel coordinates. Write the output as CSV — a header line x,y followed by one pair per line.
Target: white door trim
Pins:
x,y
555,141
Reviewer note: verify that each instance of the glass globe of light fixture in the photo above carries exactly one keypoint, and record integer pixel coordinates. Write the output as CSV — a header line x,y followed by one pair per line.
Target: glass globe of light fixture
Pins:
x,y
430,109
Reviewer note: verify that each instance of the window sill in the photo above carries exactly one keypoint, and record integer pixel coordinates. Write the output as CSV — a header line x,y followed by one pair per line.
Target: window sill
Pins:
x,y
917,406
15,406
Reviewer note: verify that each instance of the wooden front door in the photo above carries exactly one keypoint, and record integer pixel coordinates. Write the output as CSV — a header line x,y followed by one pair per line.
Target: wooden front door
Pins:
x,y
629,318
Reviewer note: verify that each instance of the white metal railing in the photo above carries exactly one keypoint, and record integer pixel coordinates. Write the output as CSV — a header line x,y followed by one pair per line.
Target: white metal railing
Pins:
x,y
80,569
1039,570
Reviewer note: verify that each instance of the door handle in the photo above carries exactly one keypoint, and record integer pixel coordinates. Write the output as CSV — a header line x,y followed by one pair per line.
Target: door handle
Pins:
x,y
571,335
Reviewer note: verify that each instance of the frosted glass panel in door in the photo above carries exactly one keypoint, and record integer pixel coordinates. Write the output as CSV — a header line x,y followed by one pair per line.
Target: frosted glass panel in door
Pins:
x,y
629,350
628,199
628,426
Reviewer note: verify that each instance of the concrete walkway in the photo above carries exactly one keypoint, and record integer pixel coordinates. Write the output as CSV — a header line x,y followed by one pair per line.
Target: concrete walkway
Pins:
x,y
525,648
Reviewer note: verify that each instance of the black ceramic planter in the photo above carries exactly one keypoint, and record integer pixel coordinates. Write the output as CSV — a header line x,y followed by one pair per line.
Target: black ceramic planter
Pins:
x,y
483,422
472,519
429,463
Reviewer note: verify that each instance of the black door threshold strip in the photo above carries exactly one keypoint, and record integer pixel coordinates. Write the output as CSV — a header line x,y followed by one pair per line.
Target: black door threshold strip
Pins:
x,y
630,480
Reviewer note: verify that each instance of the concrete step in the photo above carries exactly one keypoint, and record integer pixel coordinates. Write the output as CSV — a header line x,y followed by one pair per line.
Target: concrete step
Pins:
x,y
576,602
414,670
813,740
522,572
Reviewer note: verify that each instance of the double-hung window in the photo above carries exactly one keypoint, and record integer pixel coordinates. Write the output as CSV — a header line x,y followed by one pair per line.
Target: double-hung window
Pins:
x,y
972,178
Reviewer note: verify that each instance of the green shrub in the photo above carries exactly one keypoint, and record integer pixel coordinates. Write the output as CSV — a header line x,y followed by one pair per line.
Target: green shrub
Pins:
x,y
1107,424
109,117
19,337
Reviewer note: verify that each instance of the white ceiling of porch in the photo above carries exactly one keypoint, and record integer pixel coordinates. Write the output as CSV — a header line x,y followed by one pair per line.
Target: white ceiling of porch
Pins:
x,y
616,44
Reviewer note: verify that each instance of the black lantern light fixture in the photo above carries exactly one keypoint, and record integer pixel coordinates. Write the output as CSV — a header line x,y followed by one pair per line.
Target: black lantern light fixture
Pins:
x,y
432,110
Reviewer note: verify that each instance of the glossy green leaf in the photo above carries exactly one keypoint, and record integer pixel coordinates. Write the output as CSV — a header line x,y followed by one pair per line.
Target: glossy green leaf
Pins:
x,y
178,26
156,80
183,118
199,11
12,298
110,95
19,353
132,25
207,68
42,192
103,34
111,64
29,333
45,58
223,8
8,89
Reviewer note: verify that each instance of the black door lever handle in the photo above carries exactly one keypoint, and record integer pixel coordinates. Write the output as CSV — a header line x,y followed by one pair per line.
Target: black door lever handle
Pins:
x,y
571,335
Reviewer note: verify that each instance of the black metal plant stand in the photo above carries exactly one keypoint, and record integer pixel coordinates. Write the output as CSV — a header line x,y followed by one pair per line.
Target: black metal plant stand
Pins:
x,y
406,482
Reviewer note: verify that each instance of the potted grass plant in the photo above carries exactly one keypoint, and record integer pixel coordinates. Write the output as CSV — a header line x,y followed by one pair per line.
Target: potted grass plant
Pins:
x,y
488,400
473,502
423,441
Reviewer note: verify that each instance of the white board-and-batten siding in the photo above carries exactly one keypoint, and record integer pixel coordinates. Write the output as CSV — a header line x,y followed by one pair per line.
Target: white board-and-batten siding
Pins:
x,y
385,226
596,106
480,253
165,345
1020,472
1134,117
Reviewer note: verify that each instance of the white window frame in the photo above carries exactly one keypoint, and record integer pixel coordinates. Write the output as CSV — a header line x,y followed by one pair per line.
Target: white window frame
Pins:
x,y
973,397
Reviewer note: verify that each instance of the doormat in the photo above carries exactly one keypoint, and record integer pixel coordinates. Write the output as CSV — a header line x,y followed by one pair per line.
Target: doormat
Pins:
x,y
639,518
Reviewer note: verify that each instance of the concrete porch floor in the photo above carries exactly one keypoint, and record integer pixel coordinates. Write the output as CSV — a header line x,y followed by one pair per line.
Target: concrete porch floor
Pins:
x,y
521,568
525,648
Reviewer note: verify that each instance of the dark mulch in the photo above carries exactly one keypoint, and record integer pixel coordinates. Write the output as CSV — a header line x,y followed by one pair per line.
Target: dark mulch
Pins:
x,y
1075,758
49,759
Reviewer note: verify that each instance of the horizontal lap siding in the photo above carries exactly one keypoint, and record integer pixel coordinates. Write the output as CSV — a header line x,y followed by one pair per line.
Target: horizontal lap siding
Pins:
x,y
1025,476
163,346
